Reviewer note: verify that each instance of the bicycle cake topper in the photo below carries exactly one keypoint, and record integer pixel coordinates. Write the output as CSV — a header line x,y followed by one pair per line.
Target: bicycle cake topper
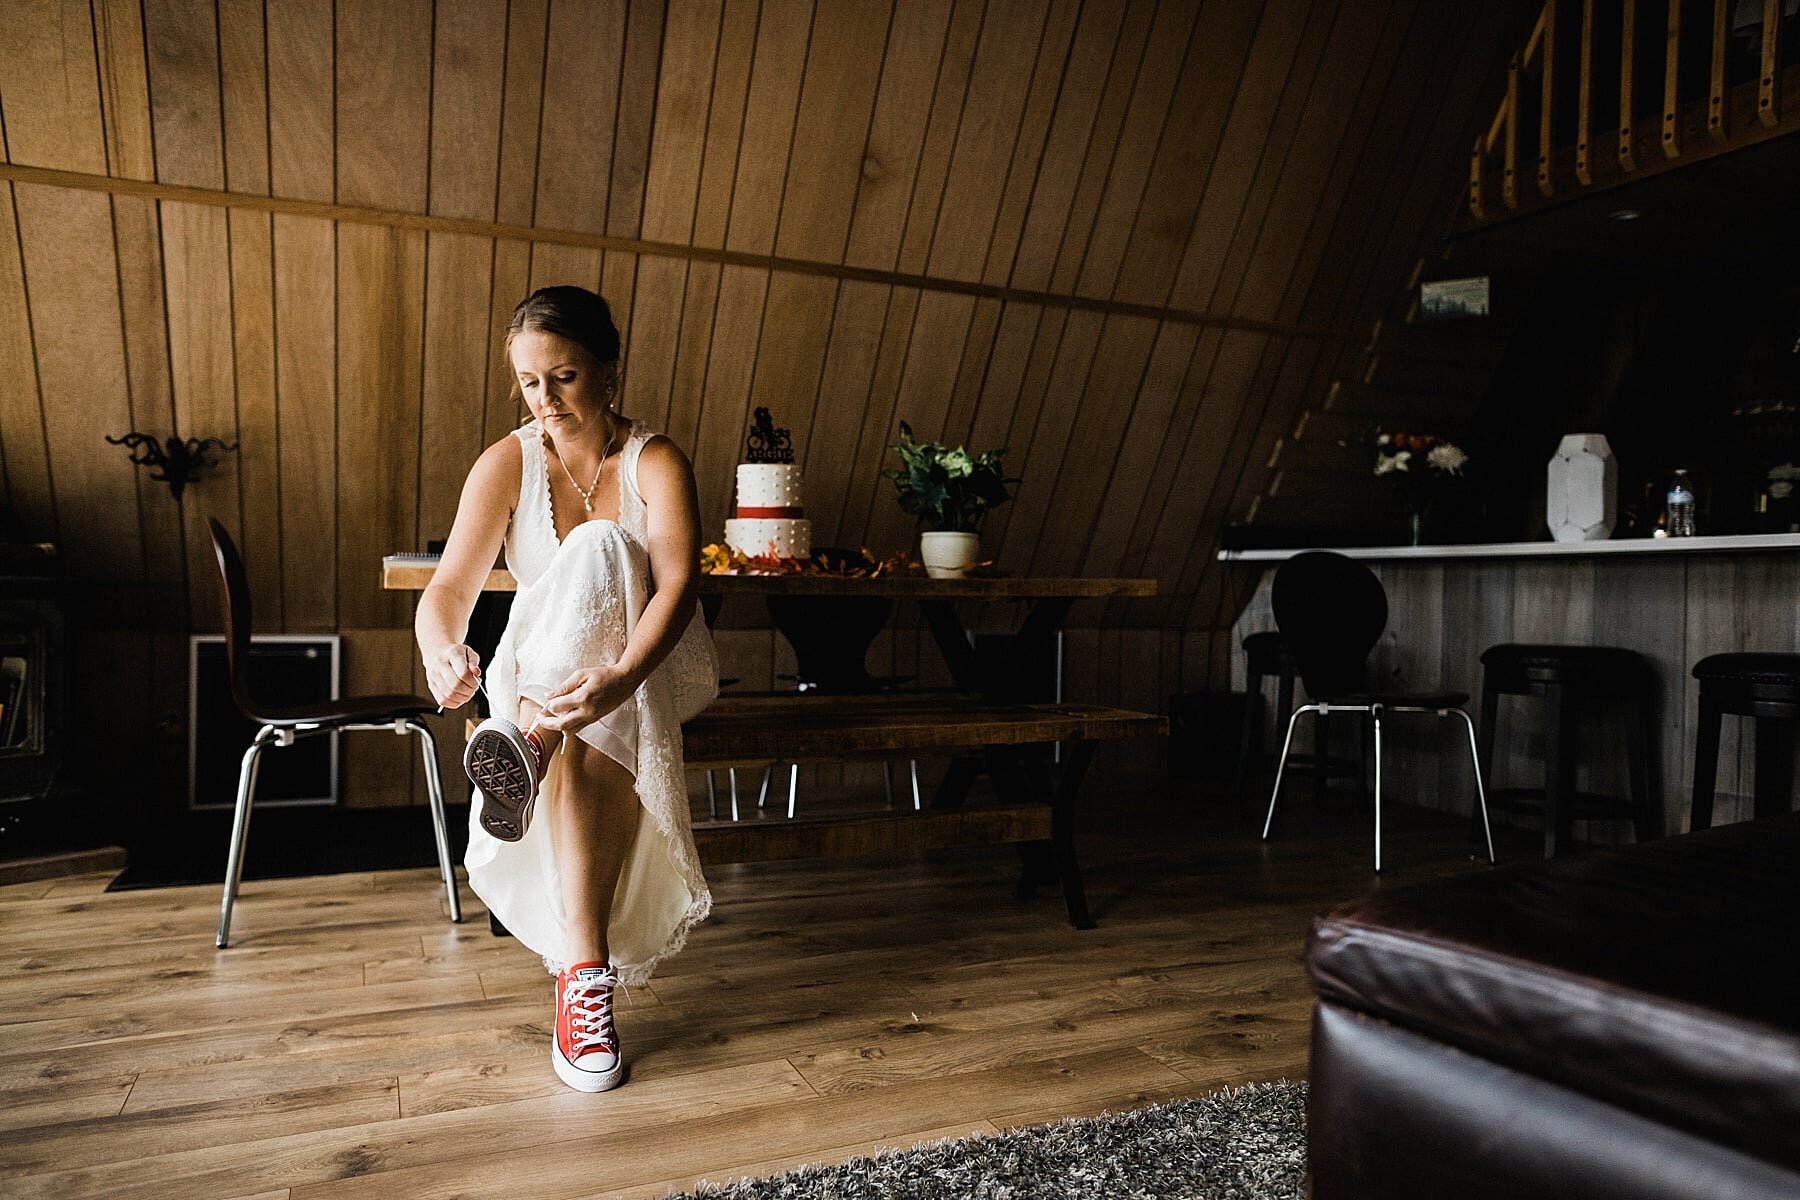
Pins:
x,y
768,444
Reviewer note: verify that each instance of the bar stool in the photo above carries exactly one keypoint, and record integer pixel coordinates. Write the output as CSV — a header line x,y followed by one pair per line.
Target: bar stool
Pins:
x,y
1763,686
1268,654
1570,679
1265,654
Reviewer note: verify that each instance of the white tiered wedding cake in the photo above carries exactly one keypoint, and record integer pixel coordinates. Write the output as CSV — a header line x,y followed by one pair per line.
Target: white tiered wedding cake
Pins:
x,y
771,519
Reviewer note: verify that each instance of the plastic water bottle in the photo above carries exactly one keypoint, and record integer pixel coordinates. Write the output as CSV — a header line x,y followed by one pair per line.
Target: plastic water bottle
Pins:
x,y
1680,507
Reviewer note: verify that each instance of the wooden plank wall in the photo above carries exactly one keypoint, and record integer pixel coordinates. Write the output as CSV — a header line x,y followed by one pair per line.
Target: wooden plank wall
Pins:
x,y
1125,239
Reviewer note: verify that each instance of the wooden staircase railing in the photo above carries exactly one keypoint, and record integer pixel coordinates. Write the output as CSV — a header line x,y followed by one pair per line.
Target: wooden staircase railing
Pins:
x,y
1731,110
1434,376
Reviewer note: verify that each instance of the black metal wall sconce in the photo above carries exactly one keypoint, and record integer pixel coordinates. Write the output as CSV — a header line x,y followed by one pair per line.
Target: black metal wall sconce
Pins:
x,y
174,461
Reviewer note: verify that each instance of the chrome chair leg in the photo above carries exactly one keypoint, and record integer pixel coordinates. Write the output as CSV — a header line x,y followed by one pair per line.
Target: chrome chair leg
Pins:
x,y
712,796
240,830
762,792
731,777
793,787
887,782
1281,767
434,791
1375,716
1480,788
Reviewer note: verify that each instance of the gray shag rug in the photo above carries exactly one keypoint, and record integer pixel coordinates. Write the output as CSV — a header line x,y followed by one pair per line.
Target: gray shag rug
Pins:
x,y
1248,1143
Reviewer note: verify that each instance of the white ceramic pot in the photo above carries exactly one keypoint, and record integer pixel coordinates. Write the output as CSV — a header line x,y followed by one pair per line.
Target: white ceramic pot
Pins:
x,y
1580,501
947,555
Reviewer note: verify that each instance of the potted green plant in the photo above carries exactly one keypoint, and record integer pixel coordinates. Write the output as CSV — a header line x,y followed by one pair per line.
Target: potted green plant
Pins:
x,y
950,492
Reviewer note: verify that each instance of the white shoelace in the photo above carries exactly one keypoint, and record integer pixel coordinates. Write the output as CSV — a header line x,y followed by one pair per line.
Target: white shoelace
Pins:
x,y
481,686
590,1015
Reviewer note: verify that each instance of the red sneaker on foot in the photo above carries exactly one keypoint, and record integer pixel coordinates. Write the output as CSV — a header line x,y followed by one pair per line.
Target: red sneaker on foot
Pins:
x,y
585,1050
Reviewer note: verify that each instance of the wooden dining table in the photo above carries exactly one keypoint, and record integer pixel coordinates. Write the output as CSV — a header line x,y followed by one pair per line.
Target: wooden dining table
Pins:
x,y
995,720
818,599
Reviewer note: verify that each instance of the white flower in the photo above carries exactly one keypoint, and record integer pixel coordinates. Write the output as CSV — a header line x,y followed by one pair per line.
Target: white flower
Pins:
x,y
1787,471
1780,490
1448,457
1386,463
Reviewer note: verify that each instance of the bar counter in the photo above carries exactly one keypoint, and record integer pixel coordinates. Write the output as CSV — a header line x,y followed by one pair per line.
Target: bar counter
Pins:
x,y
1748,543
1673,600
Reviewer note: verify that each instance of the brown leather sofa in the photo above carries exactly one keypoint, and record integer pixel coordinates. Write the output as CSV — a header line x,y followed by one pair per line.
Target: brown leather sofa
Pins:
x,y
1621,1025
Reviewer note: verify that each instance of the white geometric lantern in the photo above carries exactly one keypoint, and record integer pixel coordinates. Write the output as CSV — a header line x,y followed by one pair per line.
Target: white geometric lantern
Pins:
x,y
1580,503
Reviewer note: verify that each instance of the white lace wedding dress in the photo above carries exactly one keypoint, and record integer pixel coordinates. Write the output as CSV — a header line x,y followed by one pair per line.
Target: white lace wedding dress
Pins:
x,y
577,603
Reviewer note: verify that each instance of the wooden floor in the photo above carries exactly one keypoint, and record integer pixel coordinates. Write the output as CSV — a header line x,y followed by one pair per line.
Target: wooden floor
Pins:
x,y
354,1043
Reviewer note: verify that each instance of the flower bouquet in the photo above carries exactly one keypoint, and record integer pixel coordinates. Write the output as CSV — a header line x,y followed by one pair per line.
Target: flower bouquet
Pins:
x,y
1421,464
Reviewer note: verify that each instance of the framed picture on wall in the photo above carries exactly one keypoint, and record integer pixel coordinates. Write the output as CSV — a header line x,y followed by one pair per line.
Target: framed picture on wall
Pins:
x,y
1448,299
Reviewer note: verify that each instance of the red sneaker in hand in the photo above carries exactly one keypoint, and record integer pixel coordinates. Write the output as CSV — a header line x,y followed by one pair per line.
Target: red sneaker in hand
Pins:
x,y
507,766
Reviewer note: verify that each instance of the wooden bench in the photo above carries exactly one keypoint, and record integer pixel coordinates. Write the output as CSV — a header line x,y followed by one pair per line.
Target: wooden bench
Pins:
x,y
1033,810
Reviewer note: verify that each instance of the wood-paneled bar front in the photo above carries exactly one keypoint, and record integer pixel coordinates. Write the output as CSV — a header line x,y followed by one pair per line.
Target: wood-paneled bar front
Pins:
x,y
1673,600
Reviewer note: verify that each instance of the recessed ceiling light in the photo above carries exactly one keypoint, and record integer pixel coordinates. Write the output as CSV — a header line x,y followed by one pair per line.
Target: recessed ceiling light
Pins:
x,y
1623,214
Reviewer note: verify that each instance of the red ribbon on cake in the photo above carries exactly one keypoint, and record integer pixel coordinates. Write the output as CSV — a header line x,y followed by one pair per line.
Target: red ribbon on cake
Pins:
x,y
783,513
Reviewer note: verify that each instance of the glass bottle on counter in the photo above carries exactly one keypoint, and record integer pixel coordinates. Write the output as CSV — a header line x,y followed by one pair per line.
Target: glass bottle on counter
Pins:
x,y
1679,507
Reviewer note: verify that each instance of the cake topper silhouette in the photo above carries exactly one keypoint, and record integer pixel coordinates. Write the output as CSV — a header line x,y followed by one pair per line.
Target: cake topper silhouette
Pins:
x,y
768,444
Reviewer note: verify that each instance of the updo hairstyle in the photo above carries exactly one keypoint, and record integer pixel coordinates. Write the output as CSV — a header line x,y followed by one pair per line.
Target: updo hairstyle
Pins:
x,y
568,312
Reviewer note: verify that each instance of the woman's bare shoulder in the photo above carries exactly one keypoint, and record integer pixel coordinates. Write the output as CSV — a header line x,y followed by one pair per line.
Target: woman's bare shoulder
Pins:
x,y
662,446
498,470
661,458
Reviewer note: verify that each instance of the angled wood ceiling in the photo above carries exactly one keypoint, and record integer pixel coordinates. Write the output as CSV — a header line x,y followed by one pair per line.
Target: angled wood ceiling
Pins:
x,y
1126,240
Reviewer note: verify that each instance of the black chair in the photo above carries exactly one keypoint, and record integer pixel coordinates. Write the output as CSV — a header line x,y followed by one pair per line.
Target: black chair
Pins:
x,y
1573,681
1332,610
284,726
1762,686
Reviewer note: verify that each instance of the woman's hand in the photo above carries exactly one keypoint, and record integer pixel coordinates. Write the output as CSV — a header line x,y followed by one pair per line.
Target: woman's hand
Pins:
x,y
453,673
584,698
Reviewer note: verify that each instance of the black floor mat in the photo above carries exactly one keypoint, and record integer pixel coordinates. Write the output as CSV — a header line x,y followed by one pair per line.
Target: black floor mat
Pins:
x,y
288,842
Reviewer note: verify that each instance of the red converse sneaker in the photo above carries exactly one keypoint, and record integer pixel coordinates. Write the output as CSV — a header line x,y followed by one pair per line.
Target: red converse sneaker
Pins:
x,y
585,1050
506,765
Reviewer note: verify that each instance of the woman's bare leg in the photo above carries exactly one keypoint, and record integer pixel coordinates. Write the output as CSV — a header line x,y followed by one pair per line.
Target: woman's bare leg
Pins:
x,y
547,739
592,805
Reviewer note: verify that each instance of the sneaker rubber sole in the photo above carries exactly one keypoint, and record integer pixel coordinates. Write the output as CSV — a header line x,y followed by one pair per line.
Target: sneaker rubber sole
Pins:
x,y
585,1081
501,763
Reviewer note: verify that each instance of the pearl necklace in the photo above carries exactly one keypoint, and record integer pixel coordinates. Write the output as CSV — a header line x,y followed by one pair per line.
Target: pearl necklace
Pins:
x,y
587,493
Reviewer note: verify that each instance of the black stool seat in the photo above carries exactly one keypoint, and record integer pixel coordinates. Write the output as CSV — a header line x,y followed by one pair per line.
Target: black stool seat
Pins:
x,y
1779,674
1268,655
1569,678
1523,668
1767,688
